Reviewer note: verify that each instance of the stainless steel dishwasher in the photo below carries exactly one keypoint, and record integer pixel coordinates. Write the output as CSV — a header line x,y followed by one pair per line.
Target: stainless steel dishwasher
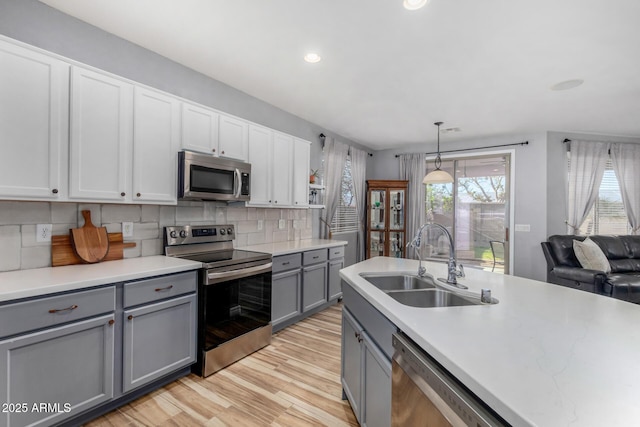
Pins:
x,y
424,394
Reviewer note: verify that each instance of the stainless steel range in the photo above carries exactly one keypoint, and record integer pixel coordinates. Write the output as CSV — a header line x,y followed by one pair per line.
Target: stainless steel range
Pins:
x,y
234,293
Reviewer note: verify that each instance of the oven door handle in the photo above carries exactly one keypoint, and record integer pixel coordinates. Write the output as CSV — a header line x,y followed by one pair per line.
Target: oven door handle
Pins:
x,y
238,183
225,276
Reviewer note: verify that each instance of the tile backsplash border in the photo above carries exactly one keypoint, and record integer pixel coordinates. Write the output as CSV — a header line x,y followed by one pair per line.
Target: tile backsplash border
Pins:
x,y
19,249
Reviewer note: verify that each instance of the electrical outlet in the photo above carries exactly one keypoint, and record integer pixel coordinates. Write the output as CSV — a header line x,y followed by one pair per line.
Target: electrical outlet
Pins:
x,y
127,229
260,224
43,232
282,223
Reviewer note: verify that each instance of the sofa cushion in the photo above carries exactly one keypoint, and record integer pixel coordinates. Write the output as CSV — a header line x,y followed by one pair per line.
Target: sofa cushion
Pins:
x,y
562,247
623,286
623,252
590,255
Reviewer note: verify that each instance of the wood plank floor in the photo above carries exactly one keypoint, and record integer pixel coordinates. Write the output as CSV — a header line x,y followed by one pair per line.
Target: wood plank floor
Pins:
x,y
295,381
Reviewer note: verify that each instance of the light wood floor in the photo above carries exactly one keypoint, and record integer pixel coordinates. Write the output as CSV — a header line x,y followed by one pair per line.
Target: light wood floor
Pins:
x,y
295,381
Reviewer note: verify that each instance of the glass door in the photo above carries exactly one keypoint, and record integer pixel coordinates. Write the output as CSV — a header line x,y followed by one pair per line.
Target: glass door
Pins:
x,y
475,209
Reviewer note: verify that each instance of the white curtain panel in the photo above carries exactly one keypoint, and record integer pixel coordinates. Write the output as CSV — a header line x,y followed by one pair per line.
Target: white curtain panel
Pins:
x,y
626,165
413,167
358,173
335,155
588,161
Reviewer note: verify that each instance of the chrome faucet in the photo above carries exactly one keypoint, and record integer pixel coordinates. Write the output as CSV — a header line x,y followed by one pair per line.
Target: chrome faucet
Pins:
x,y
454,271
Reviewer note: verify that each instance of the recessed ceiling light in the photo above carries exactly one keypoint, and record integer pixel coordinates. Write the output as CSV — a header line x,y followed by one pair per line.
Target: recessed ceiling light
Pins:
x,y
312,57
414,4
568,84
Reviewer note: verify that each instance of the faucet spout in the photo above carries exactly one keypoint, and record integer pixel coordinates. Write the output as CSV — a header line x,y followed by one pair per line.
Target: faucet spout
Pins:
x,y
452,268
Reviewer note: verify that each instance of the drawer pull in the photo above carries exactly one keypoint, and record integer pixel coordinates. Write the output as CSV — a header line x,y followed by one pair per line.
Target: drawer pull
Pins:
x,y
316,257
130,317
58,310
286,263
164,289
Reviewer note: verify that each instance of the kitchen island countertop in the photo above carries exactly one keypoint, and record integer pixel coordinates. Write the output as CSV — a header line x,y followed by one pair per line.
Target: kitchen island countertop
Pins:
x,y
545,355
293,246
43,281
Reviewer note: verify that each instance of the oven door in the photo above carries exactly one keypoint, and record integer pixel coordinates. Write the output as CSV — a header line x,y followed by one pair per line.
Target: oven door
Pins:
x,y
233,303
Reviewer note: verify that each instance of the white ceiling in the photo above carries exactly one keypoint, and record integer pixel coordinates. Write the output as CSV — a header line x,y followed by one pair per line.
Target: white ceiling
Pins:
x,y
485,66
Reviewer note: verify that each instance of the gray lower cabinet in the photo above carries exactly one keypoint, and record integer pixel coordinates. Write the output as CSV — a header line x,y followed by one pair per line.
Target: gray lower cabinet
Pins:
x,y
366,360
286,300
52,374
314,286
158,339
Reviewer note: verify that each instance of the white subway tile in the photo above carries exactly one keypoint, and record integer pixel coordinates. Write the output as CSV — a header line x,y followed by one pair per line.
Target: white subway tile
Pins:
x,y
29,236
10,248
150,213
64,213
17,213
133,252
146,230
272,214
237,214
167,216
186,215
152,247
255,238
120,213
35,257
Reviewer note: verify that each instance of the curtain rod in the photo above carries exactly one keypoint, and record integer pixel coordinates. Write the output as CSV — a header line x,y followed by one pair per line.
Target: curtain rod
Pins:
x,y
478,148
322,138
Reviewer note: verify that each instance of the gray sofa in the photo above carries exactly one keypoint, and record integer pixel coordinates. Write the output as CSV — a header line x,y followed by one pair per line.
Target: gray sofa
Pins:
x,y
622,252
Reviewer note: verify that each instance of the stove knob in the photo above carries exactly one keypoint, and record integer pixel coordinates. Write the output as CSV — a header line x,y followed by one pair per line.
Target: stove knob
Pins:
x,y
229,230
223,231
173,234
183,234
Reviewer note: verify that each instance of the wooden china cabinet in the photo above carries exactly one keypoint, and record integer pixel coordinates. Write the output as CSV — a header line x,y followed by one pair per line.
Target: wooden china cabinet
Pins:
x,y
386,218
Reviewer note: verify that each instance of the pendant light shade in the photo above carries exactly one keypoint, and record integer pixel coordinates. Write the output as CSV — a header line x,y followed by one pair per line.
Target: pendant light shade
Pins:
x,y
438,176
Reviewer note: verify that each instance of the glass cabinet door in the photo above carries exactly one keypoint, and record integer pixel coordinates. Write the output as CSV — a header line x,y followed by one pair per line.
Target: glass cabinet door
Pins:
x,y
376,243
377,209
396,244
396,207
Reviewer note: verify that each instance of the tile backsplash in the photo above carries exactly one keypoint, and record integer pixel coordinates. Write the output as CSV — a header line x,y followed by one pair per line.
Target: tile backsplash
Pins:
x,y
19,249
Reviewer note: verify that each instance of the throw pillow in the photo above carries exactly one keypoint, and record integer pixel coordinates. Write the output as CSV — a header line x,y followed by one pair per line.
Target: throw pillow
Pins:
x,y
591,256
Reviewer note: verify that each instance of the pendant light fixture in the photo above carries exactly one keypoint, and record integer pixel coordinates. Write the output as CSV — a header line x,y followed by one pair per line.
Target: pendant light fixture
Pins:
x,y
438,176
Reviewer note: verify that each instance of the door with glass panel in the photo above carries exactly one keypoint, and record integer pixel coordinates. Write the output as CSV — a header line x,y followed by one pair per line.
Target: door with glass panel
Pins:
x,y
386,218
475,209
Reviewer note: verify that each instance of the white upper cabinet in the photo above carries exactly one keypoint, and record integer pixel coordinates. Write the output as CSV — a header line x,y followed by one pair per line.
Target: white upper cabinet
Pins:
x,y
260,148
156,140
233,138
34,105
282,161
100,137
301,161
199,129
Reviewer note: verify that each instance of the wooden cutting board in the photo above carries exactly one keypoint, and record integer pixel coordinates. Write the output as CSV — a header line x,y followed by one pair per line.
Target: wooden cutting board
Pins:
x,y
90,243
62,252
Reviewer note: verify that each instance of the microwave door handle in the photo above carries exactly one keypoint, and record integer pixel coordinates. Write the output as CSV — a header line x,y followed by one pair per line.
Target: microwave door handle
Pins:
x,y
238,183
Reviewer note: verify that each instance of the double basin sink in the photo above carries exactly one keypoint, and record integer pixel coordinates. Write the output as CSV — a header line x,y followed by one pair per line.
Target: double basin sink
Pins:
x,y
422,292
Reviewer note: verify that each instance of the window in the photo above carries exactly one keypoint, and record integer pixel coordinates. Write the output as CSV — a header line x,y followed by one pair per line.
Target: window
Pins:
x,y
607,216
346,217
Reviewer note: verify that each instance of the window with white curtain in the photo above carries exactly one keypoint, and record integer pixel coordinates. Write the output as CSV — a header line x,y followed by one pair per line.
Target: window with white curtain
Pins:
x,y
346,216
607,215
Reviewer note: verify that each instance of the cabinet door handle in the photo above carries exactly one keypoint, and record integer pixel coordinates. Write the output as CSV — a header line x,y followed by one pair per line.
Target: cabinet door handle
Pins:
x,y
58,310
138,194
164,289
129,317
123,194
111,322
54,191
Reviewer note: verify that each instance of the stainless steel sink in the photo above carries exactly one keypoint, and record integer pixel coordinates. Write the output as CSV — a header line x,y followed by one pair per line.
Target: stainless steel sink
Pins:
x,y
398,282
429,298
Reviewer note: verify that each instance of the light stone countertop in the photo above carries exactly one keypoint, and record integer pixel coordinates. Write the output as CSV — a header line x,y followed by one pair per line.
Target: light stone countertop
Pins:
x,y
293,246
42,281
545,355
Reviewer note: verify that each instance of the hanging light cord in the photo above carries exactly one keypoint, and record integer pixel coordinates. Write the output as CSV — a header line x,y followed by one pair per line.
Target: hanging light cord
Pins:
x,y
438,160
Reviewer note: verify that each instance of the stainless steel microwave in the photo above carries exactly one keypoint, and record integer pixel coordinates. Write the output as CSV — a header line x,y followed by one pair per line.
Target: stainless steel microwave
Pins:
x,y
204,177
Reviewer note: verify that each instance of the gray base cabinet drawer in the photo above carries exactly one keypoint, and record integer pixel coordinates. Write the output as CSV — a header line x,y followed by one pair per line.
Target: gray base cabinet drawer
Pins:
x,y
314,257
51,311
337,252
67,365
158,339
159,288
286,262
